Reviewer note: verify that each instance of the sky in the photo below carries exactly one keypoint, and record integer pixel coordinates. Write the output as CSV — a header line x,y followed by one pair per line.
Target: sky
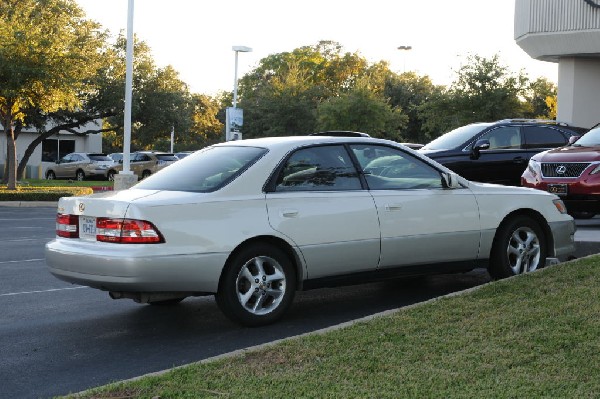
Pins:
x,y
196,36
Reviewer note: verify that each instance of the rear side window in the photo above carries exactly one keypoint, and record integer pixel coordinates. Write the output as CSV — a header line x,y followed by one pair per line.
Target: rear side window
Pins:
x,y
204,171
543,137
321,168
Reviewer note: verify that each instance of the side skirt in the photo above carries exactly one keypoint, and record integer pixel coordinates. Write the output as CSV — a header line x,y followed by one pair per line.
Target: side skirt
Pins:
x,y
395,272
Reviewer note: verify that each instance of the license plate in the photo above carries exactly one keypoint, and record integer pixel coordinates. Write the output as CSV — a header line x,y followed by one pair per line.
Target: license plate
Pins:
x,y
558,189
87,228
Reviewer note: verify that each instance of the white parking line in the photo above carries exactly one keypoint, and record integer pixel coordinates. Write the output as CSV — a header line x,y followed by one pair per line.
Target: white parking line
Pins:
x,y
19,261
28,239
13,220
39,292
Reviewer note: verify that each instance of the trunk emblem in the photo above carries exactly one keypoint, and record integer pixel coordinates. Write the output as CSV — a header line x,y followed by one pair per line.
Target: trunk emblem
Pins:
x,y
561,169
81,207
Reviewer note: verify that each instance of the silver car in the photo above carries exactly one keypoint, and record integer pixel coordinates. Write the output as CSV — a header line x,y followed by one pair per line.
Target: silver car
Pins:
x,y
252,221
82,165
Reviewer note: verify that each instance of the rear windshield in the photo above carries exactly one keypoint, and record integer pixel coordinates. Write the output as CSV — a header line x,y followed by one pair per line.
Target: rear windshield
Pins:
x,y
456,137
204,171
100,158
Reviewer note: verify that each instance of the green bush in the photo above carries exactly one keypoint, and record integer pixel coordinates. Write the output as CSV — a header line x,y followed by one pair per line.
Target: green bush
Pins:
x,y
42,193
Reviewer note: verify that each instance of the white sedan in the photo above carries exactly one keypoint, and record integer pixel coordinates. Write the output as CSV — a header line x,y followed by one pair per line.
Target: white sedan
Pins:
x,y
253,221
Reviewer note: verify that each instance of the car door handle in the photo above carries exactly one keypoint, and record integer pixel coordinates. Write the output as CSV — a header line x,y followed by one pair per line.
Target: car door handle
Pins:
x,y
289,213
393,207
519,160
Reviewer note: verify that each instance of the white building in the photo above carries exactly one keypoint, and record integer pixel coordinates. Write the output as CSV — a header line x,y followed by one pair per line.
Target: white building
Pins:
x,y
566,32
51,149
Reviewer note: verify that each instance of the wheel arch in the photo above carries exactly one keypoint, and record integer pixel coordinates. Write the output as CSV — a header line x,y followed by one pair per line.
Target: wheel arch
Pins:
x,y
278,242
538,218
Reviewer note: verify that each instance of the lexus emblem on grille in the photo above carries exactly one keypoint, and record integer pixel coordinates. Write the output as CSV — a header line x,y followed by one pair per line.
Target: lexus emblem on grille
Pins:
x,y
561,169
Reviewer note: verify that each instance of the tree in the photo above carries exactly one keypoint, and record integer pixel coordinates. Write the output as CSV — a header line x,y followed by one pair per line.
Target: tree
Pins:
x,y
281,96
48,54
409,91
540,97
485,90
362,109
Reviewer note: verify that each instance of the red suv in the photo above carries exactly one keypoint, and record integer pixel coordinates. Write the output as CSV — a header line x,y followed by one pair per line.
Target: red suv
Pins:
x,y
571,172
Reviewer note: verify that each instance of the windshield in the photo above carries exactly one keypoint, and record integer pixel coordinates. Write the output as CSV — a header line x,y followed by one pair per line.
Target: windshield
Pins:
x,y
590,139
204,171
456,137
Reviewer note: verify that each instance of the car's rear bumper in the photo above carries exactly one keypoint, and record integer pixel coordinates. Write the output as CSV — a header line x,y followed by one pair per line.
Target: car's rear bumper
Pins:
x,y
117,268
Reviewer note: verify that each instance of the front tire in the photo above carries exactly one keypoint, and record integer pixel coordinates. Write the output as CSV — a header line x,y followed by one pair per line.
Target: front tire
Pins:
x,y
519,247
257,285
50,175
110,176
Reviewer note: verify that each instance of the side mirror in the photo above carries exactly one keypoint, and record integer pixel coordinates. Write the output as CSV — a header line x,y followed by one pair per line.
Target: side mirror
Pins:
x,y
573,139
450,180
479,145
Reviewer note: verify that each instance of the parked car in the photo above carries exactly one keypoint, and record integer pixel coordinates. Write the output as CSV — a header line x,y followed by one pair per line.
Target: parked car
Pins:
x,y
252,221
116,156
572,172
497,152
145,163
81,165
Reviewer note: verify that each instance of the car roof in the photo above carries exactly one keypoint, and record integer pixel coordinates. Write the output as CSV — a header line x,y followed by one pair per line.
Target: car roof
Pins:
x,y
299,141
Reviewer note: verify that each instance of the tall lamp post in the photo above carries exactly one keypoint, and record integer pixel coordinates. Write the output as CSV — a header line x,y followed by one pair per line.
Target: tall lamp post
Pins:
x,y
404,48
125,178
237,49
234,117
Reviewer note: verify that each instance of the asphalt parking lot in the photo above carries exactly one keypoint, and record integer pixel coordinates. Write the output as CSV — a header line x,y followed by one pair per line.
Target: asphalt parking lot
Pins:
x,y
57,338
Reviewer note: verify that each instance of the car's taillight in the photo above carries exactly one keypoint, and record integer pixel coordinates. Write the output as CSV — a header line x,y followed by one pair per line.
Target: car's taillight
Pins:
x,y
67,226
127,231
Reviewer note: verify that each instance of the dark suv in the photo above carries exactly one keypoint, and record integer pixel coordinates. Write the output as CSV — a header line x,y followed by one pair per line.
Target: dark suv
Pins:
x,y
498,152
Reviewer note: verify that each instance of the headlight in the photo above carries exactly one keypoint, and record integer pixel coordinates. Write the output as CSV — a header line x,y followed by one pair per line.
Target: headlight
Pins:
x,y
534,167
560,206
596,170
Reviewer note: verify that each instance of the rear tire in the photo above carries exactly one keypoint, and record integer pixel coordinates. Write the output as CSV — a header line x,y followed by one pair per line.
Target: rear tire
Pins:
x,y
79,175
110,176
146,173
50,175
257,285
519,247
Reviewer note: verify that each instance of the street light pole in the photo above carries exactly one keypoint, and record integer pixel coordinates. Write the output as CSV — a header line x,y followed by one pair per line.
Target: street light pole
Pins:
x,y
237,49
404,48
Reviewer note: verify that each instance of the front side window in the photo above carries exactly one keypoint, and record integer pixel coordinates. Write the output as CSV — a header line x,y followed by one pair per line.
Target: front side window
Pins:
x,y
388,168
204,171
503,138
323,168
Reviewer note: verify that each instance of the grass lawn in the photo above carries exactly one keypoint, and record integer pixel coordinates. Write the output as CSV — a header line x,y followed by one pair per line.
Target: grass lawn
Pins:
x,y
533,336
